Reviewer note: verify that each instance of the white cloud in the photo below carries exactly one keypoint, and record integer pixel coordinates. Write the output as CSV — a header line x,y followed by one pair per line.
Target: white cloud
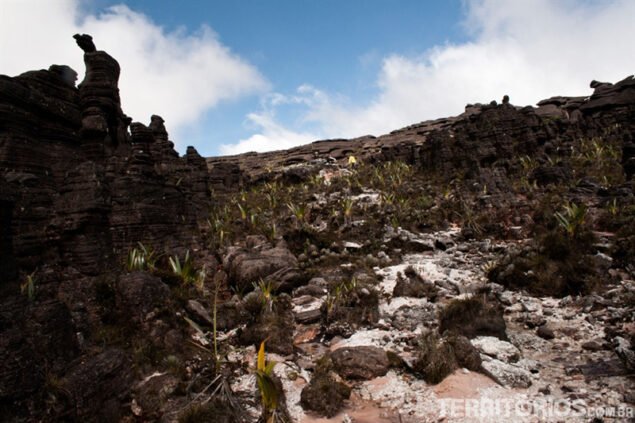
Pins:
x,y
271,136
178,75
529,50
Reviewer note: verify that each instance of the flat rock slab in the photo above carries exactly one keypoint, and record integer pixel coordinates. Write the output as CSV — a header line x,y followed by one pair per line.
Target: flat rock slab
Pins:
x,y
496,348
506,374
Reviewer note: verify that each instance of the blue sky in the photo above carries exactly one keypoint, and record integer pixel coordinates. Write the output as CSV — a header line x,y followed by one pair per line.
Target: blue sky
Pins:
x,y
241,75
336,45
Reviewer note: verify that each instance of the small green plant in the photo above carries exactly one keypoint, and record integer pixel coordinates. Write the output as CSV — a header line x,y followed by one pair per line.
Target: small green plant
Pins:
x,y
272,199
243,212
378,178
387,198
217,285
218,227
266,292
347,209
469,219
528,164
397,172
316,180
489,266
141,258
186,270
27,287
598,157
271,232
572,219
300,212
269,394
613,208
403,203
253,218
339,294
423,202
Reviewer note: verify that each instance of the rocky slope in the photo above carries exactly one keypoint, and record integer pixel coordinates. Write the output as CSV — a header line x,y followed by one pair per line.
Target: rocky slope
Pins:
x,y
487,256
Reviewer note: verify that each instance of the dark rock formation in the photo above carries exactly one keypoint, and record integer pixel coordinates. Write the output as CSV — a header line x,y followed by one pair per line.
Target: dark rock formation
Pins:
x,y
249,266
95,386
81,186
77,192
271,323
478,145
363,362
103,122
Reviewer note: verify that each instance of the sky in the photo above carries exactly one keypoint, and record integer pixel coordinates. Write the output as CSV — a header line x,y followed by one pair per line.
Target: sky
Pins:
x,y
254,75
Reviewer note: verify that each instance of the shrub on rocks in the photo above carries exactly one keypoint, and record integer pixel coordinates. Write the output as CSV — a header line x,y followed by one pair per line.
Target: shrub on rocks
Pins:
x,y
438,357
272,323
352,302
216,410
324,394
411,284
472,317
555,264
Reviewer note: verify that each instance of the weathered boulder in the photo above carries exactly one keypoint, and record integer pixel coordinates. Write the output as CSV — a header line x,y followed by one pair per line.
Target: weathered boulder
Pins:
x,y
363,362
271,323
231,314
275,264
626,352
153,392
473,317
140,293
506,374
496,348
99,386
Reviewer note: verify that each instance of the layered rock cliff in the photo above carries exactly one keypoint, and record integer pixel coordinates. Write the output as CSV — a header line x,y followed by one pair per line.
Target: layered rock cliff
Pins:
x,y
81,186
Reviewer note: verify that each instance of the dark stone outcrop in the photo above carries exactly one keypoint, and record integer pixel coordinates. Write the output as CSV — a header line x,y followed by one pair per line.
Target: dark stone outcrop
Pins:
x,y
81,186
478,145
363,362
140,293
103,122
99,386
276,264
77,193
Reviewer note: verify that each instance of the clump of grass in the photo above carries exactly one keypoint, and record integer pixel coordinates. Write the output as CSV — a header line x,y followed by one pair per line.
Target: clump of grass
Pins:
x,y
266,290
186,271
216,410
600,158
141,258
558,262
324,394
352,302
572,219
27,287
438,357
300,212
